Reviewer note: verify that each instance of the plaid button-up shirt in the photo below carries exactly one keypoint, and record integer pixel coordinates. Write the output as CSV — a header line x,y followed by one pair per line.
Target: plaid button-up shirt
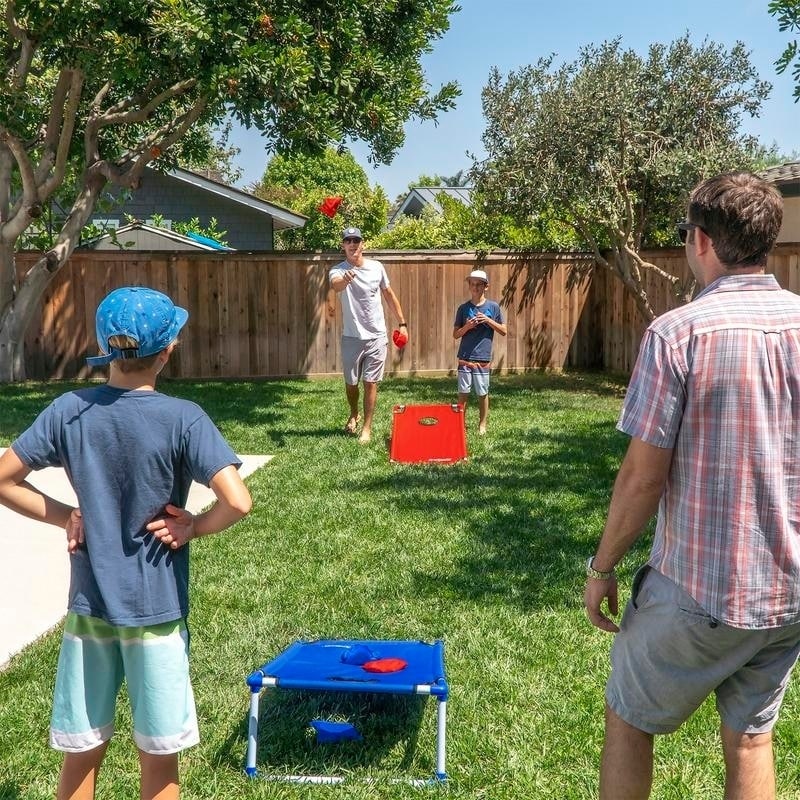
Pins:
x,y
718,381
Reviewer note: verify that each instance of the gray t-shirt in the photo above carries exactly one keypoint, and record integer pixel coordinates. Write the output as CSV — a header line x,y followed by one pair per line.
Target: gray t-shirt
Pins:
x,y
127,454
362,310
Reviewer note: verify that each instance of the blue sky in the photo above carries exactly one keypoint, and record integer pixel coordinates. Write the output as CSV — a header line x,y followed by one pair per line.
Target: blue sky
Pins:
x,y
509,34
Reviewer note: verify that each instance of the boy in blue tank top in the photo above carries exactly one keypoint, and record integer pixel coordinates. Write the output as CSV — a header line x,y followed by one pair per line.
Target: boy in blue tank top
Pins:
x,y
131,454
476,322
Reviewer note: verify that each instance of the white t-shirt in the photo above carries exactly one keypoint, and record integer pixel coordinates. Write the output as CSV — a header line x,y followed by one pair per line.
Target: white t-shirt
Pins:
x,y
362,309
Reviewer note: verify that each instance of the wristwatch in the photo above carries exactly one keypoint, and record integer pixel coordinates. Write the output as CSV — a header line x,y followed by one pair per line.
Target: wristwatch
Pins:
x,y
591,572
402,325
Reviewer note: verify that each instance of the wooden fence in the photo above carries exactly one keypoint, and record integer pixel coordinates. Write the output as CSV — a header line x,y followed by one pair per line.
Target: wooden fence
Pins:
x,y
272,314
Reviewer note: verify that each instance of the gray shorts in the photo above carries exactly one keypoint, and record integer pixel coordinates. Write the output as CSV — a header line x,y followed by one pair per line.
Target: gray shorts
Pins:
x,y
670,655
363,359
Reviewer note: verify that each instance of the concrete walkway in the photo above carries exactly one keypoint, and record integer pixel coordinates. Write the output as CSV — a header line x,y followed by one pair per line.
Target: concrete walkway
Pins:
x,y
34,567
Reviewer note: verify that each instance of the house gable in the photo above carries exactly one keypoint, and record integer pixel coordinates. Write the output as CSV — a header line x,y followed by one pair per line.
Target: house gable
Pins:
x,y
420,197
181,195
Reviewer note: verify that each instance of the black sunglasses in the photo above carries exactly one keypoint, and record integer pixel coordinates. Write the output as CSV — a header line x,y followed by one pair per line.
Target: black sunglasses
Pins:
x,y
350,240
684,228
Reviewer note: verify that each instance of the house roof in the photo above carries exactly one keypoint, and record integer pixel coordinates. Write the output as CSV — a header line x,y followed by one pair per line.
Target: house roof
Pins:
x,y
782,174
149,237
421,196
282,218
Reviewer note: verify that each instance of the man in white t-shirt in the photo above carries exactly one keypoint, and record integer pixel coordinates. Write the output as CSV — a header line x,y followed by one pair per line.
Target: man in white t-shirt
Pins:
x,y
360,283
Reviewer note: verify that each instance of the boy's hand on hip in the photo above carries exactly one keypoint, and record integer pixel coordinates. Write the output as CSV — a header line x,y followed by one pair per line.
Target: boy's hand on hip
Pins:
x,y
175,528
74,529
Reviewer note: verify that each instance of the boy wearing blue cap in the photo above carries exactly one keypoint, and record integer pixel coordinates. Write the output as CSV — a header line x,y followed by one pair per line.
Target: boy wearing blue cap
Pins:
x,y
131,454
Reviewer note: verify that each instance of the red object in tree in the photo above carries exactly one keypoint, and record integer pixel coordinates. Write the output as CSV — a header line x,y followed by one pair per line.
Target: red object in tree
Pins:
x,y
329,207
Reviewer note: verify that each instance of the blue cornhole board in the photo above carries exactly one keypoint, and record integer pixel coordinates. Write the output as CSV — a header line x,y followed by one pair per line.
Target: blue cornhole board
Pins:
x,y
319,666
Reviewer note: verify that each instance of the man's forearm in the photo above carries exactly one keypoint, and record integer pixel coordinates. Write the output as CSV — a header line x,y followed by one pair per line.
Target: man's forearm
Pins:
x,y
637,491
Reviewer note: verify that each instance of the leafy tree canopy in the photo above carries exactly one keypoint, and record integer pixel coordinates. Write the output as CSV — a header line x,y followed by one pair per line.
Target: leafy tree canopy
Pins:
x,y
788,14
302,182
613,142
218,156
472,227
461,178
99,90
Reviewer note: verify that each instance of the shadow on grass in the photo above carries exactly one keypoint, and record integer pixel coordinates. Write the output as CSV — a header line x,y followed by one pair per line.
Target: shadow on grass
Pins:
x,y
258,405
444,389
287,746
9,791
531,503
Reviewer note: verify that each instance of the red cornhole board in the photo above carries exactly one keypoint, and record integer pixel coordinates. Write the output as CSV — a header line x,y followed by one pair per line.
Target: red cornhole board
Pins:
x,y
428,434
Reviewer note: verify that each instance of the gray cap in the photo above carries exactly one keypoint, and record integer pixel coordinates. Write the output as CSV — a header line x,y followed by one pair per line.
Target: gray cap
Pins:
x,y
351,233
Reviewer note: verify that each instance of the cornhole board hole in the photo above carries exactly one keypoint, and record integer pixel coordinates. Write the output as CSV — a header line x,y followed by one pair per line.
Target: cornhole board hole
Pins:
x,y
348,665
428,434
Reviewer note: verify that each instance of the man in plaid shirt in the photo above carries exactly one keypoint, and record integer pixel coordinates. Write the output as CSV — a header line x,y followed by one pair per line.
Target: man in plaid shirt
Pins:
x,y
713,409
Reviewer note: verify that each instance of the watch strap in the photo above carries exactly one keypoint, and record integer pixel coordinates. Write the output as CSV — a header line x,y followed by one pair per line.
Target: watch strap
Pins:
x,y
597,574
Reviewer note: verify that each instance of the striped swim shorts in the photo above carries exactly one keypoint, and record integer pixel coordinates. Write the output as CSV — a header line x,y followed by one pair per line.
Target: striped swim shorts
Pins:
x,y
154,662
473,375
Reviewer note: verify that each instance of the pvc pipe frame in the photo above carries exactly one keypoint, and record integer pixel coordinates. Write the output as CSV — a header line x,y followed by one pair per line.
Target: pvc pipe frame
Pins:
x,y
252,738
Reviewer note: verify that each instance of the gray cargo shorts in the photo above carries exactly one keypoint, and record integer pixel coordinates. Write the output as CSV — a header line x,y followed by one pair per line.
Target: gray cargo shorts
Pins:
x,y
670,655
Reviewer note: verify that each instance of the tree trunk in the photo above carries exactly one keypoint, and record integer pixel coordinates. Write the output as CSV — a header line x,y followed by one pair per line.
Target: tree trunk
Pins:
x,y
12,355
17,309
18,315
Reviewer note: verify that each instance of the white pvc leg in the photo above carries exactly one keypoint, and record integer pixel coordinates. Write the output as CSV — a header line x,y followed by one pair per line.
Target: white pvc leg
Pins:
x,y
252,734
441,731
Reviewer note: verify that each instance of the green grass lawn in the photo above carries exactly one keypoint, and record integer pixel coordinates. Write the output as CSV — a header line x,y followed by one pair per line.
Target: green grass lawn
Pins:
x,y
487,554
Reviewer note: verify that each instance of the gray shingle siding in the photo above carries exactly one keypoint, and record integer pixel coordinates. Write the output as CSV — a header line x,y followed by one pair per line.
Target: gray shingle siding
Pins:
x,y
175,200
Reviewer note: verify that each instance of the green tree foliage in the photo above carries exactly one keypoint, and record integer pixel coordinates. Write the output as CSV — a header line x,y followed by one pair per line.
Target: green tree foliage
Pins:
x,y
461,178
788,14
612,143
94,92
471,227
217,156
301,182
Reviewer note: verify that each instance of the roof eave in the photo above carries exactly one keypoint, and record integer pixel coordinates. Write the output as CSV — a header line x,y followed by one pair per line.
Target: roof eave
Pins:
x,y
282,218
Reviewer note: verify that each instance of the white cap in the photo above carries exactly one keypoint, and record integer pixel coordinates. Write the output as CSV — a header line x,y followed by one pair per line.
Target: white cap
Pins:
x,y
479,275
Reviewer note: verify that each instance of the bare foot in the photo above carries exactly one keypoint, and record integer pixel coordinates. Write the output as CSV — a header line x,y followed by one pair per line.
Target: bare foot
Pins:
x,y
352,424
481,430
365,436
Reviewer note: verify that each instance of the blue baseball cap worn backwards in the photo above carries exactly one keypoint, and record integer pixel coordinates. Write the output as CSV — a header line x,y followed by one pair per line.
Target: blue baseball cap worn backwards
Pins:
x,y
145,315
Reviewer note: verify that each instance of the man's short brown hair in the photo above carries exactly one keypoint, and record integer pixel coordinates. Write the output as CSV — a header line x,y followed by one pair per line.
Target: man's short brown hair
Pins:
x,y
741,214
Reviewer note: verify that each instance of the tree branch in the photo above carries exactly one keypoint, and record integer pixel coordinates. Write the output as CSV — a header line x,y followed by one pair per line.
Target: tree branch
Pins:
x,y
579,224
121,173
650,267
25,209
143,113
26,51
53,128
50,182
